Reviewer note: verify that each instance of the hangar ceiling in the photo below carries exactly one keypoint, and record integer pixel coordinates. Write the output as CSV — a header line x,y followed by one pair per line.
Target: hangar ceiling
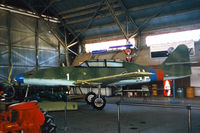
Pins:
x,y
95,20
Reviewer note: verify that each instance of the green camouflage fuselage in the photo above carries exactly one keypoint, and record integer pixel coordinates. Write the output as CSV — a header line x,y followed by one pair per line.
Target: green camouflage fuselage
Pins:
x,y
177,65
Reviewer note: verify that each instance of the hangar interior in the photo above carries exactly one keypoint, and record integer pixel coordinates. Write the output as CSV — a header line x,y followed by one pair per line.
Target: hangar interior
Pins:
x,y
41,34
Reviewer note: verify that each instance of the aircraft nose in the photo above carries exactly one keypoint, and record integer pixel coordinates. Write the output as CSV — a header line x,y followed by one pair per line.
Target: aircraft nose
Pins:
x,y
20,78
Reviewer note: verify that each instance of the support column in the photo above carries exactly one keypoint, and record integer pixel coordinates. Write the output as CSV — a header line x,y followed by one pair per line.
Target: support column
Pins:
x,y
66,51
80,49
36,43
9,40
127,33
59,58
116,20
140,40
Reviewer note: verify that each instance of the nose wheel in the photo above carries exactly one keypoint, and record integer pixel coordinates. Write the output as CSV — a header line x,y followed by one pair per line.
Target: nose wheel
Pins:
x,y
89,96
98,102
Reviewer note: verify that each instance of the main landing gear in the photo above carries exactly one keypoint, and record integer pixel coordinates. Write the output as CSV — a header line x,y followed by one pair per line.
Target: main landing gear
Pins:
x,y
89,97
96,101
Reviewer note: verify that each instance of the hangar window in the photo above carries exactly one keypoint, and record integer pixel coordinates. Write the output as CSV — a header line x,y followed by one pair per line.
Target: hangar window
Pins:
x,y
102,63
96,63
161,45
107,45
84,64
114,64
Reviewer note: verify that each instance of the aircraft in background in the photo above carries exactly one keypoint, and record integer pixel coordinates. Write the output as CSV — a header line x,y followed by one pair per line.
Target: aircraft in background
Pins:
x,y
109,73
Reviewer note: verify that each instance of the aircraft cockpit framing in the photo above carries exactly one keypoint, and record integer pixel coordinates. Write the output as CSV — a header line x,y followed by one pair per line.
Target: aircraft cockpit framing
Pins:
x,y
102,63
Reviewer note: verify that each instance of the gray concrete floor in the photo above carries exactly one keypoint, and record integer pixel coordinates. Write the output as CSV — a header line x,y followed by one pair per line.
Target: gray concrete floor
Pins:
x,y
133,119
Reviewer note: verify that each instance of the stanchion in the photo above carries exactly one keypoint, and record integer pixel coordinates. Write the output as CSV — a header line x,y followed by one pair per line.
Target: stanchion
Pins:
x,y
65,119
189,119
173,91
26,94
66,111
118,116
188,107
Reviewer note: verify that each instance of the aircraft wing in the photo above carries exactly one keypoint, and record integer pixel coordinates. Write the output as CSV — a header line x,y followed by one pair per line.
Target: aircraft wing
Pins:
x,y
111,79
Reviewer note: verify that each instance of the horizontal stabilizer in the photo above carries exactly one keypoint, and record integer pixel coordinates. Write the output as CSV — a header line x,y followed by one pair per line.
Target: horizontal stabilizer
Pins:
x,y
180,63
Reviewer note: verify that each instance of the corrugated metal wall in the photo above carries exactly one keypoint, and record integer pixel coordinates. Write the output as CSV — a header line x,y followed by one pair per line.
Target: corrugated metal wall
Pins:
x,y
22,40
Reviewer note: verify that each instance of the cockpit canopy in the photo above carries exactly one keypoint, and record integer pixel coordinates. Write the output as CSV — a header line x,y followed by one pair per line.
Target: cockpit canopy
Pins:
x,y
102,63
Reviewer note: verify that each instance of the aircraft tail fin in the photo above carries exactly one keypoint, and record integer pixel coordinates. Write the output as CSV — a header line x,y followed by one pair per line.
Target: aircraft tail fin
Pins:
x,y
178,63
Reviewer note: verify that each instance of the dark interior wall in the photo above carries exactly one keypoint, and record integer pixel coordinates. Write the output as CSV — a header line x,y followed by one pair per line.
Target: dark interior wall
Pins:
x,y
27,44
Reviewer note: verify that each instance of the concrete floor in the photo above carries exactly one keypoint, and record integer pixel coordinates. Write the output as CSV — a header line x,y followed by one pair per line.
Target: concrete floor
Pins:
x,y
133,119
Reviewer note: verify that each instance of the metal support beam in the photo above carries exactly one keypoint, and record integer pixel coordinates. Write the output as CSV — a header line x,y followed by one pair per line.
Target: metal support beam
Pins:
x,y
72,44
50,3
143,19
59,39
127,26
54,34
120,12
138,40
59,58
9,40
149,19
49,27
116,20
68,28
89,24
81,8
36,43
27,13
87,12
127,13
66,50
64,24
149,30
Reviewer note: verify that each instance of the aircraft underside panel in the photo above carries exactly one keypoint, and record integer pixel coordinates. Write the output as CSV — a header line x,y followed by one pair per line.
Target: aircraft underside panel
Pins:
x,y
176,77
49,82
132,81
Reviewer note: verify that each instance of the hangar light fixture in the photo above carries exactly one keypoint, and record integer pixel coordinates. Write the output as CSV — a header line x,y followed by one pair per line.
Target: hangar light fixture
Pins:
x,y
107,44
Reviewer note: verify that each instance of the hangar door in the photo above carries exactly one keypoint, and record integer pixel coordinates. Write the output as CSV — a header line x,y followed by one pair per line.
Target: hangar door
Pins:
x,y
26,44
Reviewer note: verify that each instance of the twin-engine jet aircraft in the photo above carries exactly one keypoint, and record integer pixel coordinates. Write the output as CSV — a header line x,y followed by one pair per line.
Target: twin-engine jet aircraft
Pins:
x,y
109,73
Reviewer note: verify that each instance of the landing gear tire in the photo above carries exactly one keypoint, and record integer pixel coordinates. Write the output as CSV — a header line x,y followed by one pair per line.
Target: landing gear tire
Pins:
x,y
89,96
98,102
49,125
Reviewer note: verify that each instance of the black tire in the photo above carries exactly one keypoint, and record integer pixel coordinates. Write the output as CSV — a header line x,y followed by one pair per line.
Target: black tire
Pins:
x,y
49,125
89,96
9,91
98,102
